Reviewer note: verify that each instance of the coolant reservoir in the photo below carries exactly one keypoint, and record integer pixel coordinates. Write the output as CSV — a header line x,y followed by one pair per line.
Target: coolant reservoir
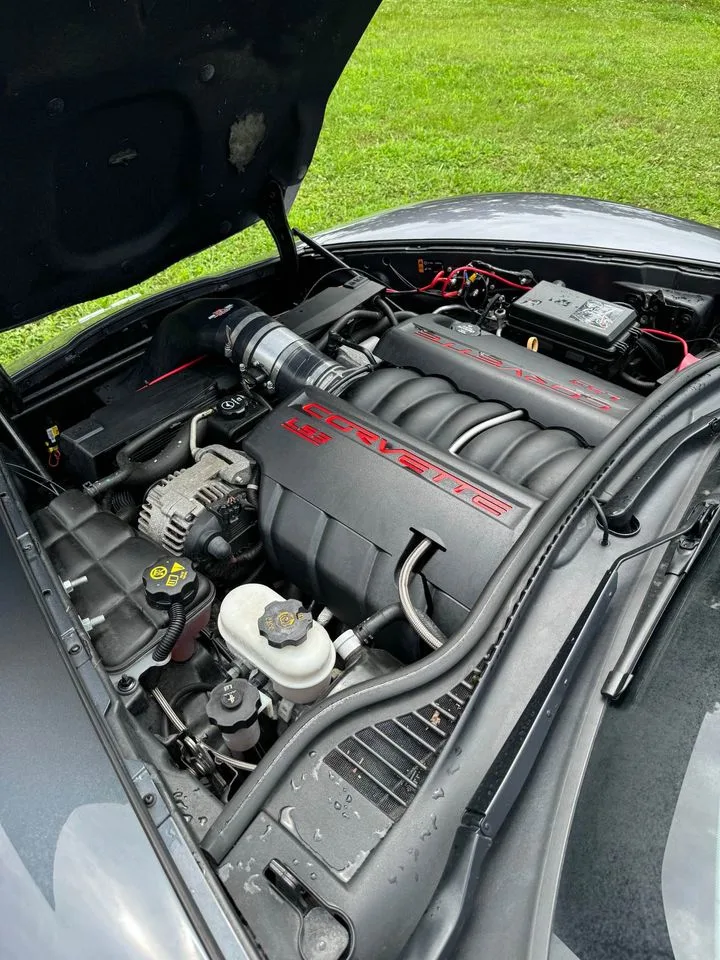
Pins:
x,y
280,638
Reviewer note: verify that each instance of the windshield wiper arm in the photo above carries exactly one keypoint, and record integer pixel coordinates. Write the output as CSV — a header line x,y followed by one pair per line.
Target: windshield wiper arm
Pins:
x,y
440,926
682,558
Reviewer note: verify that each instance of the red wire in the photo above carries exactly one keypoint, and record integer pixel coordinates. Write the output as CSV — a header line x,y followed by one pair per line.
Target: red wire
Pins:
x,y
171,373
435,280
483,273
440,278
670,336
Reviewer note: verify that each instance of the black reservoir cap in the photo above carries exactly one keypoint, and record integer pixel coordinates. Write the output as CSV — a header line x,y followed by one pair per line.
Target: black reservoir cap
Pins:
x,y
285,623
170,580
233,706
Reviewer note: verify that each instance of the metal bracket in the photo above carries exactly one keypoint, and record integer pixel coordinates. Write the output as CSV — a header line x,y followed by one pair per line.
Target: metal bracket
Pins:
x,y
679,560
271,208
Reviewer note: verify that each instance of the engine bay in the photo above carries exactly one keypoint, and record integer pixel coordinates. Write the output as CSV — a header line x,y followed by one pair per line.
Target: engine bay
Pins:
x,y
268,503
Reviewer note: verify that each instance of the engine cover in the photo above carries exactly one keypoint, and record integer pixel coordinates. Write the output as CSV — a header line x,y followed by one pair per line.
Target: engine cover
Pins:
x,y
557,395
343,494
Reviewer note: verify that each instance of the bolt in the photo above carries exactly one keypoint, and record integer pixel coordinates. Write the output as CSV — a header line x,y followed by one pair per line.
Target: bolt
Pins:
x,y
89,623
70,585
55,107
126,683
149,799
75,648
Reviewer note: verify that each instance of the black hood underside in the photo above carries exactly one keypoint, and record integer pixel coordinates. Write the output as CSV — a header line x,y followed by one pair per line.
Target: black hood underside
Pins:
x,y
137,133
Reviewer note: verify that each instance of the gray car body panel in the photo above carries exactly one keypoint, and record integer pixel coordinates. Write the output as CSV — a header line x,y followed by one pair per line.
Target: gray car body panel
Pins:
x,y
542,219
78,875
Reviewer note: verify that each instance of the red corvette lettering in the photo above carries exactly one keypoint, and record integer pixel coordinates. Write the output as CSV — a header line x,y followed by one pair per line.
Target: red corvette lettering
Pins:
x,y
481,499
581,397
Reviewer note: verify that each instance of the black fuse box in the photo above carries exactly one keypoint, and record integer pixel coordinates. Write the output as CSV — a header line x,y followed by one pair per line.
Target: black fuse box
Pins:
x,y
585,326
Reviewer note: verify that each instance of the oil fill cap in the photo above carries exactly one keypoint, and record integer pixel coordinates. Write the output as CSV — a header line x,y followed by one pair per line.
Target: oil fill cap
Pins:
x,y
170,580
285,623
234,406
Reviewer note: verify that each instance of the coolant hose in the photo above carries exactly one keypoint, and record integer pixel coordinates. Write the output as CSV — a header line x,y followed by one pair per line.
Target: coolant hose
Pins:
x,y
173,632
143,473
378,621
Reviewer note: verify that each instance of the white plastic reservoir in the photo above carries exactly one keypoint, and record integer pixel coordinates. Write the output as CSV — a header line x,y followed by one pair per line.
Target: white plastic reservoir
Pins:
x,y
299,673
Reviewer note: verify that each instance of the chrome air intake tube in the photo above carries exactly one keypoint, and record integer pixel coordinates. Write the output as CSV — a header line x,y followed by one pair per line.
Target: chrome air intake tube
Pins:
x,y
288,360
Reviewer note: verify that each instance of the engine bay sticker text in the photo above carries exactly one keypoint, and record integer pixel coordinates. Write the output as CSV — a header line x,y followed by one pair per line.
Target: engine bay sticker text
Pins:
x,y
601,316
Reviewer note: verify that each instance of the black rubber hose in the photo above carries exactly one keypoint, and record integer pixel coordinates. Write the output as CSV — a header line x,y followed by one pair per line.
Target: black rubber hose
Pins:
x,y
343,322
139,473
637,382
251,553
378,621
173,631
385,307
175,453
117,500
380,325
469,645
602,520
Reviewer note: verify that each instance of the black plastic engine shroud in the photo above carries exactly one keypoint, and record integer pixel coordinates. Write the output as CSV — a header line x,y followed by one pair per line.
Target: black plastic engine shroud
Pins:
x,y
344,494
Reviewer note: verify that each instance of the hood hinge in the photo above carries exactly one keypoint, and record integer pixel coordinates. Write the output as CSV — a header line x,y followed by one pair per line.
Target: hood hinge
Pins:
x,y
271,209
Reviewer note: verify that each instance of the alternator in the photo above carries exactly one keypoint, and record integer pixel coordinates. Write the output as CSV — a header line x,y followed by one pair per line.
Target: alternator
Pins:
x,y
176,511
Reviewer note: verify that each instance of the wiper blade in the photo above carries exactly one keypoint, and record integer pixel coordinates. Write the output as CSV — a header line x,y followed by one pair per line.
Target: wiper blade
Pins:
x,y
681,559
439,928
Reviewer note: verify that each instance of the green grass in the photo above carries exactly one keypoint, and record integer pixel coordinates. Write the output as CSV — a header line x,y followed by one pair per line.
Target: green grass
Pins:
x,y
617,99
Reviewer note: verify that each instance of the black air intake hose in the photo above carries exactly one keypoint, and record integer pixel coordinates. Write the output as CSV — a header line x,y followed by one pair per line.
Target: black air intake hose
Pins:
x,y
243,334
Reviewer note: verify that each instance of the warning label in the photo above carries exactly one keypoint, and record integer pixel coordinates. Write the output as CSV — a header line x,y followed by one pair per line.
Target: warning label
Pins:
x,y
598,314
172,577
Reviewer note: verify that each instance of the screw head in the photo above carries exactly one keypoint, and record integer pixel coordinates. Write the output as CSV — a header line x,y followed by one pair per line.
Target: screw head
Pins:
x,y
55,107
75,648
126,683
149,799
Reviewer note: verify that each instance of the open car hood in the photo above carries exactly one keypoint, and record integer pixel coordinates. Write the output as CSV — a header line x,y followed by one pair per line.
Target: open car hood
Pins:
x,y
138,133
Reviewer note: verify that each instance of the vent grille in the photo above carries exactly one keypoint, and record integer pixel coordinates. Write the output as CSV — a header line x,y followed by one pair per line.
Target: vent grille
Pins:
x,y
388,762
